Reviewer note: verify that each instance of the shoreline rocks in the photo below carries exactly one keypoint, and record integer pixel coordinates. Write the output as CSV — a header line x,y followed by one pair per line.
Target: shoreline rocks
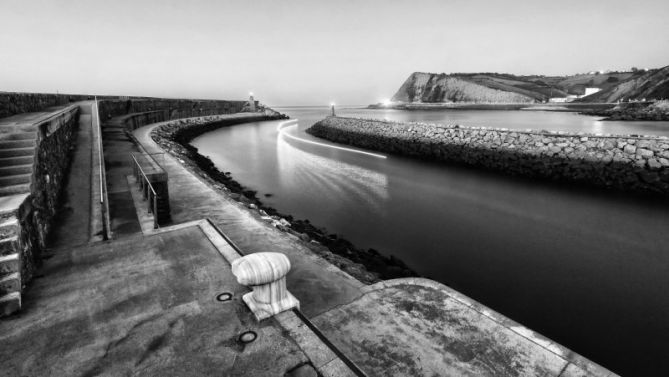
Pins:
x,y
368,266
636,111
622,162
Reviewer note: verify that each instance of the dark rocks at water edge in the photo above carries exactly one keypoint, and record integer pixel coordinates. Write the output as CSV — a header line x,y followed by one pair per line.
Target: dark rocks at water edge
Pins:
x,y
639,111
368,266
622,162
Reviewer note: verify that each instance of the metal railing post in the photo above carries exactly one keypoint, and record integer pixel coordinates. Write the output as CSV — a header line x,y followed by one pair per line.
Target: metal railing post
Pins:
x,y
148,192
155,212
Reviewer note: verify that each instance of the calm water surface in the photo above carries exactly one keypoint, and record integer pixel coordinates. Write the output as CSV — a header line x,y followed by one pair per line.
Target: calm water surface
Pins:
x,y
587,268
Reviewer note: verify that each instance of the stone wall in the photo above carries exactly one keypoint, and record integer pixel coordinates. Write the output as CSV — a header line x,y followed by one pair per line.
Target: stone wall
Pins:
x,y
631,162
12,103
51,164
16,103
172,108
134,121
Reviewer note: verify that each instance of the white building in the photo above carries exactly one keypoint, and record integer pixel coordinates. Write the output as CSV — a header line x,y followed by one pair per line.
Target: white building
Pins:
x,y
589,91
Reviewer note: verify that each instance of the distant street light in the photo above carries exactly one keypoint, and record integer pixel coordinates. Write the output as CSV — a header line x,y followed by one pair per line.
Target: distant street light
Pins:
x,y
333,105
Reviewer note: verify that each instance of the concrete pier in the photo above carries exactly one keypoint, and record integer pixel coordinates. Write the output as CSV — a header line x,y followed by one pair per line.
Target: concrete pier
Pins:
x,y
165,302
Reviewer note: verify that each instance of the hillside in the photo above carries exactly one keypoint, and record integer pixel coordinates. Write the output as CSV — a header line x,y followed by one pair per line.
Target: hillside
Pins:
x,y
653,84
431,88
422,87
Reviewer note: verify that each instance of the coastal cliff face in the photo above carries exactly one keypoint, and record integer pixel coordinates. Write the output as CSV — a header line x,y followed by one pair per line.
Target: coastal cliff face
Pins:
x,y
629,163
433,88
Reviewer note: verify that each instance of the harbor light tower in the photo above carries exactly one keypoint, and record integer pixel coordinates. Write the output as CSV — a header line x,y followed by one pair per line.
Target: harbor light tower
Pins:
x,y
252,103
333,111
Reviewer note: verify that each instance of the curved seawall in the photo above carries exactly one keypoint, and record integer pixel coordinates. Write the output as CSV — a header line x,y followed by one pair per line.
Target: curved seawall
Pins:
x,y
623,162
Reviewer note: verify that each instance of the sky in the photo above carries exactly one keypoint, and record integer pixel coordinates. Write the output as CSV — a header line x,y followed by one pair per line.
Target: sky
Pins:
x,y
312,52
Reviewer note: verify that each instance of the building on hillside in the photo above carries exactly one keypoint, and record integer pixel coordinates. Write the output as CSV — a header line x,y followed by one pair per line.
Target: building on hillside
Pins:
x,y
589,91
572,97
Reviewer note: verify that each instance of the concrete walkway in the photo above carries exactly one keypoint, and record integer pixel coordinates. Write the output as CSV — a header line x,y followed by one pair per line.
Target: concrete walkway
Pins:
x,y
318,284
117,149
145,306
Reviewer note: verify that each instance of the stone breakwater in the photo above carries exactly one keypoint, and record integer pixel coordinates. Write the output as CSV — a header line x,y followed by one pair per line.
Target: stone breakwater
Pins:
x,y
368,266
623,162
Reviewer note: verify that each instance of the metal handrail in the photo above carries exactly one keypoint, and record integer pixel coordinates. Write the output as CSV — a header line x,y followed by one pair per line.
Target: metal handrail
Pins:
x,y
104,201
138,169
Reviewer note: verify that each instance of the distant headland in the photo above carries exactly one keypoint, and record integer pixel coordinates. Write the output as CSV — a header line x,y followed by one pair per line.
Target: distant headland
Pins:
x,y
597,91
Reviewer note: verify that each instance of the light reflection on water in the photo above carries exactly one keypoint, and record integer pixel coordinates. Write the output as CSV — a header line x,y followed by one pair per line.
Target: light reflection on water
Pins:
x,y
339,180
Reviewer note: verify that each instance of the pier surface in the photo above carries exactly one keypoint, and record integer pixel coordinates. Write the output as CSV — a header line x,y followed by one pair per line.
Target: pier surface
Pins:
x,y
140,305
146,301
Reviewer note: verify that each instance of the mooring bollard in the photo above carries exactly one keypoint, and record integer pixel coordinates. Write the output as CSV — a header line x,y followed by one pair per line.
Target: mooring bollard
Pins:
x,y
265,273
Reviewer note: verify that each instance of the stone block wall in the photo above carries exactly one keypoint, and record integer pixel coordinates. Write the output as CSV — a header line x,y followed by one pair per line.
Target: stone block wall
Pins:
x,y
35,215
135,121
25,227
12,103
17,103
173,108
623,162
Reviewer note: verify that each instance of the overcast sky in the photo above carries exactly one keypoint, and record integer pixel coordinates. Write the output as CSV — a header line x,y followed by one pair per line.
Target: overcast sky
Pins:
x,y
312,52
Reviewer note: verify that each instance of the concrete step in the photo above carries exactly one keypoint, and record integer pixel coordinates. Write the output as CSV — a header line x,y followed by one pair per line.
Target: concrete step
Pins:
x,y
9,227
15,152
9,264
9,245
10,283
13,180
20,160
10,304
16,189
22,136
11,144
6,171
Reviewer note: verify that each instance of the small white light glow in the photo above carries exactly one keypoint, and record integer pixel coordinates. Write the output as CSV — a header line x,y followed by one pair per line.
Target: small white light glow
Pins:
x,y
386,102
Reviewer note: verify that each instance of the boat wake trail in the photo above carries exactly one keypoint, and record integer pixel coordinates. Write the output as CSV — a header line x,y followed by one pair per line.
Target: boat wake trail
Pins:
x,y
281,128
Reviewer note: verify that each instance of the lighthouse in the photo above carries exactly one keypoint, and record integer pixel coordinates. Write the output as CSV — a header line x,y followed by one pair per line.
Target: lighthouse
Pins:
x,y
252,103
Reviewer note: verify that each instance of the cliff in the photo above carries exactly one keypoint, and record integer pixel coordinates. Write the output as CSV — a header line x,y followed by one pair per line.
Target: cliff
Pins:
x,y
431,88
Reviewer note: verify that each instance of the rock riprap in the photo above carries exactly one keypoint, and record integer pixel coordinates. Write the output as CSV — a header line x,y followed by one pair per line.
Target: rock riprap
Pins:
x,y
624,162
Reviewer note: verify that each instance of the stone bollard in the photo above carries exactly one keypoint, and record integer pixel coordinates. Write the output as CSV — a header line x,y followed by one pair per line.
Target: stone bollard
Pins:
x,y
266,274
